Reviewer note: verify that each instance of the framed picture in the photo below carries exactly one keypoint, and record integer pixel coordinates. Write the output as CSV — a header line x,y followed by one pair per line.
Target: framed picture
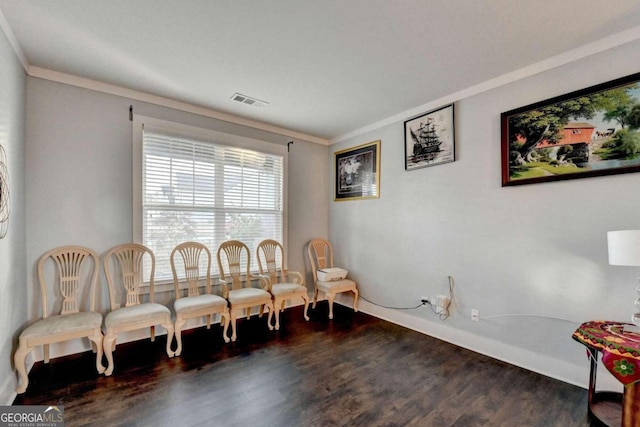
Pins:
x,y
429,139
589,132
358,172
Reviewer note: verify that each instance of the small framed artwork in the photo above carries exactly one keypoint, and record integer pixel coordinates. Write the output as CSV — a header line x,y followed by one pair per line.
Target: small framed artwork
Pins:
x,y
429,139
589,132
357,172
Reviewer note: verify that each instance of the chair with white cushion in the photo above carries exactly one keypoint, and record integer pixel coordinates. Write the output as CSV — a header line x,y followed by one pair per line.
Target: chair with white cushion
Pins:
x,y
124,263
236,283
195,304
75,281
321,256
285,284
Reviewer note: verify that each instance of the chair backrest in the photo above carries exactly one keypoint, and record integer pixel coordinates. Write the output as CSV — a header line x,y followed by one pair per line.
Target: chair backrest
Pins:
x,y
271,251
320,256
191,253
71,276
234,251
128,263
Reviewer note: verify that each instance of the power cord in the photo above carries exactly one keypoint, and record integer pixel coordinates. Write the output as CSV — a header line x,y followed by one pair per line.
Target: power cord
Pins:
x,y
394,308
494,316
442,315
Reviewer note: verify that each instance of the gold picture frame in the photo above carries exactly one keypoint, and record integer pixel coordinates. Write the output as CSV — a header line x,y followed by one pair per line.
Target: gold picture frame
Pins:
x,y
357,172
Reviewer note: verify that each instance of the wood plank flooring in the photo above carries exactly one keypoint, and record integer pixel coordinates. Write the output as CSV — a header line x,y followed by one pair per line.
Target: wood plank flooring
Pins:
x,y
356,370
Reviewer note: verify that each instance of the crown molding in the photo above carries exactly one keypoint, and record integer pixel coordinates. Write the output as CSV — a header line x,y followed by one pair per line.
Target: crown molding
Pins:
x,y
11,38
610,42
81,82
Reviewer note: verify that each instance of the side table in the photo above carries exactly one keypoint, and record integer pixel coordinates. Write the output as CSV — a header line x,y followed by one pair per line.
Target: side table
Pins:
x,y
620,350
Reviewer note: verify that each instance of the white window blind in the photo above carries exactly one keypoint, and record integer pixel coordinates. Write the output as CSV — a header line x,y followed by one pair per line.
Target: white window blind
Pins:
x,y
207,192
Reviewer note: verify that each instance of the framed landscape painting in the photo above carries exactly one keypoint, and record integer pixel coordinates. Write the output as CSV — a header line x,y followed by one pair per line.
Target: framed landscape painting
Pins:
x,y
429,139
590,132
358,172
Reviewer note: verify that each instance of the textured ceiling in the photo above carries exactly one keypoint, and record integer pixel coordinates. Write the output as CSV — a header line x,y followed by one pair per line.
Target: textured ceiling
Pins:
x,y
326,67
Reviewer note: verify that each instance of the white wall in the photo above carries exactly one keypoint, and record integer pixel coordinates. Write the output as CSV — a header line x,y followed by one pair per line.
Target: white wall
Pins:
x,y
12,247
533,249
79,180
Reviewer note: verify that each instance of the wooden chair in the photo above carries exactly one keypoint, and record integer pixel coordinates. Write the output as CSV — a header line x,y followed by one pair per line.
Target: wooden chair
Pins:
x,y
135,314
285,284
321,256
73,277
194,304
241,295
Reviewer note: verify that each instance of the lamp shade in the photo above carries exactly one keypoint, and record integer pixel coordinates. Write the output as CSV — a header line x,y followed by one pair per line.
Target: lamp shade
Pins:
x,y
624,247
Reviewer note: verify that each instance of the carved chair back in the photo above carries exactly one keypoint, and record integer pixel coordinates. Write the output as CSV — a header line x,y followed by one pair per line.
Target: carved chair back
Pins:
x,y
128,265
71,277
194,272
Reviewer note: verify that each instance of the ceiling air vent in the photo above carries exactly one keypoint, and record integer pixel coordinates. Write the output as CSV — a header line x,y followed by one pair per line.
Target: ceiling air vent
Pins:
x,y
248,100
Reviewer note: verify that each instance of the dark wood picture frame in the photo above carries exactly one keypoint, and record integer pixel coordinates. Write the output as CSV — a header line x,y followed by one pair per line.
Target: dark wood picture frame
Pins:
x,y
429,139
357,172
585,133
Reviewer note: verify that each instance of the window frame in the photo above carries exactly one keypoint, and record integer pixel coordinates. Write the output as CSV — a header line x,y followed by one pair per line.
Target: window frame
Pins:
x,y
140,123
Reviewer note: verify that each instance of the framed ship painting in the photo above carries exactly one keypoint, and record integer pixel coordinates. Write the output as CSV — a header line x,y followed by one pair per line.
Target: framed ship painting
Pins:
x,y
589,132
429,139
358,172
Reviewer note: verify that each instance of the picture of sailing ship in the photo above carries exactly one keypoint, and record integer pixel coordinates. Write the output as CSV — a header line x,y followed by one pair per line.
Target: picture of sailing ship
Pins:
x,y
429,139
425,141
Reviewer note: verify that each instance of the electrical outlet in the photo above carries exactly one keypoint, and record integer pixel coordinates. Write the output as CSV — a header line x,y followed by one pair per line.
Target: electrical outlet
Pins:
x,y
475,315
425,300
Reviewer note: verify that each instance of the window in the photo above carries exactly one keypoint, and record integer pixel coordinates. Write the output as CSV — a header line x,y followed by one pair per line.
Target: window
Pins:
x,y
205,186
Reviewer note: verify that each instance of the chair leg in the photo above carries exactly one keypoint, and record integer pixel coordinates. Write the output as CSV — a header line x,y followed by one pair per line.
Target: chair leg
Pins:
x,y
233,324
209,318
109,345
355,300
168,325
331,297
315,298
19,359
96,341
224,319
152,331
276,306
270,307
178,331
45,350
306,306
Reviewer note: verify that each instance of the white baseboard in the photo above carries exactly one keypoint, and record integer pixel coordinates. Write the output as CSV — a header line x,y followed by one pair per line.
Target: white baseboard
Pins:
x,y
536,362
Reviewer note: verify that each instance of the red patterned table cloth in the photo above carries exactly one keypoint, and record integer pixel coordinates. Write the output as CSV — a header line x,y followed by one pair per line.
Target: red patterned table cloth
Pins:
x,y
620,348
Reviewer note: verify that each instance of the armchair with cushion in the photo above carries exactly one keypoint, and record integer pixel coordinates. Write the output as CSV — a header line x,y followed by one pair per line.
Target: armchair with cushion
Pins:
x,y
321,256
123,266
75,280
285,284
196,304
236,283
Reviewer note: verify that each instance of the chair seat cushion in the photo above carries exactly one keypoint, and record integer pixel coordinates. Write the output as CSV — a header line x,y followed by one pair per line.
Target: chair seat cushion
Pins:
x,y
248,295
136,313
65,323
287,288
336,285
199,302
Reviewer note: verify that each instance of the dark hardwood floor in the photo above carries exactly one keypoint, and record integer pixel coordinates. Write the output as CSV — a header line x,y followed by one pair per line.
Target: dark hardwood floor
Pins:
x,y
355,370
